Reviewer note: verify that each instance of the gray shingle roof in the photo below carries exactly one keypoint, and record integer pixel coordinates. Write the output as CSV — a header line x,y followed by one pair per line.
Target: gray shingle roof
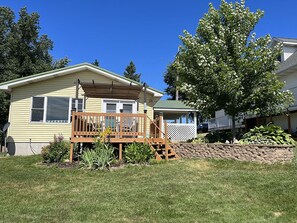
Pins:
x,y
171,104
288,63
281,39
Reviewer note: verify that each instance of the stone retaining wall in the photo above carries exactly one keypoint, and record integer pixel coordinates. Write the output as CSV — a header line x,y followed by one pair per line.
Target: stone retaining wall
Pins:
x,y
257,153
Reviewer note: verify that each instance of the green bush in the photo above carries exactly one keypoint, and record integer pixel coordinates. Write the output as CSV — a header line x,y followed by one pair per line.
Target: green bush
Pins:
x,y
218,136
271,134
56,151
138,153
100,157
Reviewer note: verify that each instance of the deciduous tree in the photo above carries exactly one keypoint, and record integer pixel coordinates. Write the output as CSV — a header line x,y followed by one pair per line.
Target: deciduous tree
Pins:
x,y
23,51
224,66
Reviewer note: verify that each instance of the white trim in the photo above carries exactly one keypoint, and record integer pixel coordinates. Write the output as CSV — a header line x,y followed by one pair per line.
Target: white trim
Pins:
x,y
175,109
45,103
82,67
119,104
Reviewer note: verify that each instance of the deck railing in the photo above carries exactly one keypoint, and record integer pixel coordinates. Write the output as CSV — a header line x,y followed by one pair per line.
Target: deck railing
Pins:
x,y
120,125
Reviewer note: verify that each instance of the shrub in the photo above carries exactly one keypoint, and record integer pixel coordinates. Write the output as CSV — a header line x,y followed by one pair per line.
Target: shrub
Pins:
x,y
56,151
101,156
138,153
218,136
271,134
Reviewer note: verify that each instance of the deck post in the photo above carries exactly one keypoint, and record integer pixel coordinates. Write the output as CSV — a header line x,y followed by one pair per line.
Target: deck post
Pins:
x,y
121,123
71,153
76,94
160,124
144,123
166,140
120,152
72,136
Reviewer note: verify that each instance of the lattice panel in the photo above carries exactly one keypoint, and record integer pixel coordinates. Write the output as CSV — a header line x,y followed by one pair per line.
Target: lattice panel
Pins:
x,y
181,132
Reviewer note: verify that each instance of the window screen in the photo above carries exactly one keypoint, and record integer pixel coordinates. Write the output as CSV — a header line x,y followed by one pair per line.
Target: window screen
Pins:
x,y
57,109
37,109
111,108
80,104
127,108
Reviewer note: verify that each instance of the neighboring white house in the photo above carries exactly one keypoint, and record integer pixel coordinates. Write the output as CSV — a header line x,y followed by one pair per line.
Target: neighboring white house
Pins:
x,y
287,73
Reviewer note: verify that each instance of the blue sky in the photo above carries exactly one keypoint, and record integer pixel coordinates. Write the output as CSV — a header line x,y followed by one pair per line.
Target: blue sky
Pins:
x,y
145,31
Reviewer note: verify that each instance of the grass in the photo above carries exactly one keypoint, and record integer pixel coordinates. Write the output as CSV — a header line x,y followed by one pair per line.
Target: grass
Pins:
x,y
179,191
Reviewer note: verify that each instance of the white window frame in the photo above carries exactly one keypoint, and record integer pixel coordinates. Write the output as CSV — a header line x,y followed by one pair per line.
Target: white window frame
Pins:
x,y
119,104
45,110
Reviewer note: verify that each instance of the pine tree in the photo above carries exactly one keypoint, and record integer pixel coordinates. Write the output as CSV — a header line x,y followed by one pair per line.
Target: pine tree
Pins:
x,y
130,72
96,63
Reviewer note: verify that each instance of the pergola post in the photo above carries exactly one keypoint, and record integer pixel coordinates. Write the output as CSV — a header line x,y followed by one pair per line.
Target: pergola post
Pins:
x,y
76,94
145,111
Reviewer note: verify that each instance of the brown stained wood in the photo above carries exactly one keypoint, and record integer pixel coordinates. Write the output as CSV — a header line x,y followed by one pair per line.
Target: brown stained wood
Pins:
x,y
121,152
71,153
98,90
83,131
160,124
166,141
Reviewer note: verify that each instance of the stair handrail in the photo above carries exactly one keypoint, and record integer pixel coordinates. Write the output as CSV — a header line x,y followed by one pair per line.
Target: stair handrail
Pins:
x,y
160,130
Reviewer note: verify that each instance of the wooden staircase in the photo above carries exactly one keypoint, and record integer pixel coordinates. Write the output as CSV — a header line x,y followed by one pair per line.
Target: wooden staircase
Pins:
x,y
162,150
159,140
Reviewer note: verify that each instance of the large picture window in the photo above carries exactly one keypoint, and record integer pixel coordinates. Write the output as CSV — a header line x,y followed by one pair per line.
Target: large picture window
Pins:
x,y
53,109
57,110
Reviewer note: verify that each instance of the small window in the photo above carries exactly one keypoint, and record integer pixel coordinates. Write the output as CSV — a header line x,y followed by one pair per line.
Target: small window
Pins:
x,y
127,108
111,108
37,109
80,105
57,109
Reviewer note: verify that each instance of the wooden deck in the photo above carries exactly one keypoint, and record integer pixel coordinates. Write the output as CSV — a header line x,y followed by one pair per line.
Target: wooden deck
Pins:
x,y
121,128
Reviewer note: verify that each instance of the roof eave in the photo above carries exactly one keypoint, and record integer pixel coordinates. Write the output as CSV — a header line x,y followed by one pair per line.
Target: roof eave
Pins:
x,y
77,68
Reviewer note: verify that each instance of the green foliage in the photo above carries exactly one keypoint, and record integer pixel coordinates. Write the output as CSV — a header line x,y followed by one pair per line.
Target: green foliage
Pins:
x,y
199,140
130,72
87,158
171,79
23,51
138,153
224,65
102,156
96,63
271,134
56,151
219,136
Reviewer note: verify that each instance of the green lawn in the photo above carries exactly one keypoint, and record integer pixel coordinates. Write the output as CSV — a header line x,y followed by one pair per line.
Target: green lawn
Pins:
x,y
178,191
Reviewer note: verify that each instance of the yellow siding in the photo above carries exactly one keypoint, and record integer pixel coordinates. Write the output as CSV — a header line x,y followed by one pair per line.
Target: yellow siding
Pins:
x,y
22,130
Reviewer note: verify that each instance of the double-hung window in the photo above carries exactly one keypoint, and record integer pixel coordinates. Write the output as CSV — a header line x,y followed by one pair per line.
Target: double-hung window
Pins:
x,y
37,112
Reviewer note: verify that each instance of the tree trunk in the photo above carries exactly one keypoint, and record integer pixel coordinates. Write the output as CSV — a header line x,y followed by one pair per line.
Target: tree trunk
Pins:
x,y
233,129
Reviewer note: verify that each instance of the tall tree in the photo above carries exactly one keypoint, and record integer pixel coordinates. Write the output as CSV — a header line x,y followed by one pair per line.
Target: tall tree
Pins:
x,y
171,78
224,65
96,63
130,72
23,51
